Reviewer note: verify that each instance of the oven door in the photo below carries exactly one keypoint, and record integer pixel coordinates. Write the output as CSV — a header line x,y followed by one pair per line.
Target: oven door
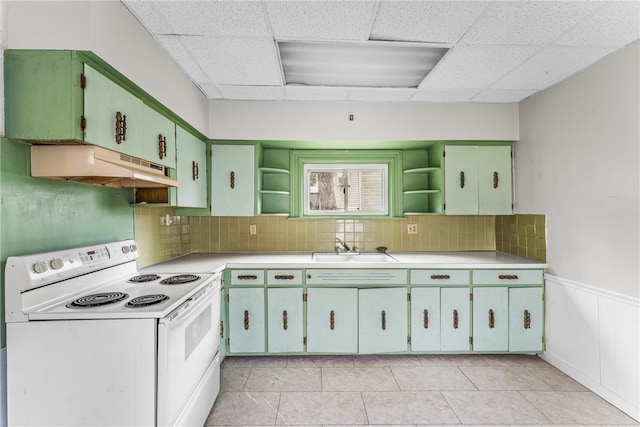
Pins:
x,y
188,364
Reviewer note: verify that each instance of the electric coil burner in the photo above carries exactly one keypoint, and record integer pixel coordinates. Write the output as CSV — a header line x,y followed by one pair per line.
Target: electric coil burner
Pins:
x,y
180,279
146,300
96,300
144,278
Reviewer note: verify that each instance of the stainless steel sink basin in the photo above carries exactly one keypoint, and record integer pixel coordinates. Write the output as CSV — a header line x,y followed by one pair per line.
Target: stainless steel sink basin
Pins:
x,y
352,257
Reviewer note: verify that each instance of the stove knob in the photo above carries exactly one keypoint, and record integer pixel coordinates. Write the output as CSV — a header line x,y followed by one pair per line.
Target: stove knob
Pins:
x,y
40,267
125,249
133,248
57,263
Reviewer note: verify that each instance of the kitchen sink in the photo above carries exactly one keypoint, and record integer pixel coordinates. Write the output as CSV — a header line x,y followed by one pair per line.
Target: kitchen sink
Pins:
x,y
351,257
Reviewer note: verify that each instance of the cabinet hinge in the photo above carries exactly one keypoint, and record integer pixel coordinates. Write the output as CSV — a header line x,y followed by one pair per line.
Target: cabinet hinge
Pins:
x,y
226,298
543,340
408,340
228,341
470,297
304,298
83,81
83,123
221,329
304,340
409,296
470,340
444,153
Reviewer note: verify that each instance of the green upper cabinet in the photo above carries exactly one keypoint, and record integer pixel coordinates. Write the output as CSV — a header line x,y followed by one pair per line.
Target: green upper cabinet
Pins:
x,y
159,138
192,170
232,180
478,180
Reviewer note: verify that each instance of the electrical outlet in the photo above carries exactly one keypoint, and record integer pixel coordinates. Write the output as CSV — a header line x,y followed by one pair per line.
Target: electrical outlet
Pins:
x,y
412,228
253,229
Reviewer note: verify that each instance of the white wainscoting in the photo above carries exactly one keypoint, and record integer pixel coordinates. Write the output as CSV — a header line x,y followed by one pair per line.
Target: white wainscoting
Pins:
x,y
593,336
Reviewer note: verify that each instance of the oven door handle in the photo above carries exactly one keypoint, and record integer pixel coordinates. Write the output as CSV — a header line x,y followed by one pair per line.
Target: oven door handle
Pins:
x,y
191,307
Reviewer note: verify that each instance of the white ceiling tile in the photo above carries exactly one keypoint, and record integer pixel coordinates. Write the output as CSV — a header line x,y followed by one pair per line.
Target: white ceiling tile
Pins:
x,y
211,91
321,20
450,95
614,24
383,94
502,96
527,22
427,21
178,52
550,66
214,18
475,66
322,93
145,12
236,61
255,93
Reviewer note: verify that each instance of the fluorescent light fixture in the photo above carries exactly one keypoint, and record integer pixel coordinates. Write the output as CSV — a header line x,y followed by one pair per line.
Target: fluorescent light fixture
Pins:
x,y
376,64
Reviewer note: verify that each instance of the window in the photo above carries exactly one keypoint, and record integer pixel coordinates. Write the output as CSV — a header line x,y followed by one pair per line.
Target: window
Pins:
x,y
346,189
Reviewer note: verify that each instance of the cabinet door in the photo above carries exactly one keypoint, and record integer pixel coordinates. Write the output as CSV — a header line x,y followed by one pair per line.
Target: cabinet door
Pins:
x,y
224,333
494,180
382,320
332,320
191,170
461,180
425,319
284,320
246,320
232,180
159,138
454,319
526,320
103,100
491,319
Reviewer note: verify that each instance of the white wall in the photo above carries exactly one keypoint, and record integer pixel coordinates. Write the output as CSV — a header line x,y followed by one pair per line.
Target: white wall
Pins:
x,y
374,121
108,29
577,162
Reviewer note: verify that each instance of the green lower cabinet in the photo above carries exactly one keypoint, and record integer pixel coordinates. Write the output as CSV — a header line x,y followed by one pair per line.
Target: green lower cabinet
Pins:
x,y
454,319
246,320
526,320
425,319
223,325
285,321
382,320
491,319
332,320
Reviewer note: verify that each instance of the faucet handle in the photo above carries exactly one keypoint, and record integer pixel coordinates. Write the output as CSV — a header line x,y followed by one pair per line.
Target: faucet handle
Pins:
x,y
382,249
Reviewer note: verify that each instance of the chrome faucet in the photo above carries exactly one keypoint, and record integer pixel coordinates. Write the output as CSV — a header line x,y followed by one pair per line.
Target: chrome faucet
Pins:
x,y
344,246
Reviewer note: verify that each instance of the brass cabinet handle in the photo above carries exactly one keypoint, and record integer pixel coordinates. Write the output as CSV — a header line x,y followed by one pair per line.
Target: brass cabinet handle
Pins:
x,y
527,319
121,127
284,277
246,320
332,320
440,277
195,170
508,277
247,277
495,179
162,146
461,179
232,179
383,320
221,329
455,319
425,319
492,319
285,324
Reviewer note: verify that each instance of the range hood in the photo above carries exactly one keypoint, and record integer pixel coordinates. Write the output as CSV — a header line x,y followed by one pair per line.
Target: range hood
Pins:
x,y
97,165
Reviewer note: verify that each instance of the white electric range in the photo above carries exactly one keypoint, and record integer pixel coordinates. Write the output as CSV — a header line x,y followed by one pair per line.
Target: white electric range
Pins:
x,y
91,341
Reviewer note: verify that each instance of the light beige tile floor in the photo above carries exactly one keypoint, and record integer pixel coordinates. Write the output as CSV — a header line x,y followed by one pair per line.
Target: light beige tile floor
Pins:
x,y
404,390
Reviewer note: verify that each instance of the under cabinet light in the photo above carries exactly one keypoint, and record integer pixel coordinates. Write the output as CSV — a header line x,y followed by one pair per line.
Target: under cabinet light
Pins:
x,y
358,64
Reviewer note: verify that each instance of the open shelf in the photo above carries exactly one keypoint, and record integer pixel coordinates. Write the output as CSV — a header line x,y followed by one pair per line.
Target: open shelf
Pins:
x,y
422,181
275,182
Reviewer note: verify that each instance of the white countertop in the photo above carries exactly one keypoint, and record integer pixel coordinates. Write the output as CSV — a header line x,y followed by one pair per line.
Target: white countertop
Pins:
x,y
214,262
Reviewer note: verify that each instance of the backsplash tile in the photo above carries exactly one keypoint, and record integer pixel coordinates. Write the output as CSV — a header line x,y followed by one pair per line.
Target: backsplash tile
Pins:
x,y
522,235
157,241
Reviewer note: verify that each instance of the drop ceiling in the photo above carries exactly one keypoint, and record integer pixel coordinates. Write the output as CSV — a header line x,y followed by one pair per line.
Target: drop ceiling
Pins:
x,y
499,51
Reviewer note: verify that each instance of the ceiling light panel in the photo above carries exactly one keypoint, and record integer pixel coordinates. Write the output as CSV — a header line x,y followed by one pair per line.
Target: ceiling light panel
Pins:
x,y
321,20
214,18
236,61
476,67
527,22
442,22
550,66
366,64
615,24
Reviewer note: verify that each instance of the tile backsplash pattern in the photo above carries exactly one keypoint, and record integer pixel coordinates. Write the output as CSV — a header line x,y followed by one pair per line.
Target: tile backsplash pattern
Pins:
x,y
157,241
522,235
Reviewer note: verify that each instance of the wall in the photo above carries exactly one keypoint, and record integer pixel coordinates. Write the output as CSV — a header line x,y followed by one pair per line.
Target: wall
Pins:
x,y
577,162
107,28
377,121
